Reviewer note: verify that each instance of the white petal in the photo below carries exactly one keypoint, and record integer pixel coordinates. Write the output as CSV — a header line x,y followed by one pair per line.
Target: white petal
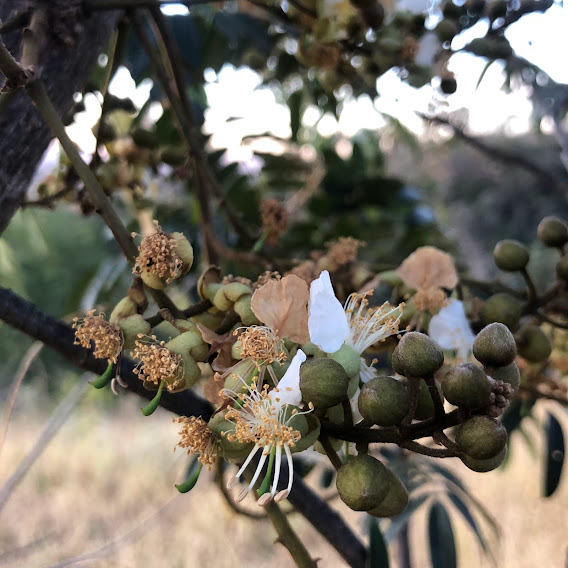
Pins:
x,y
289,386
327,323
450,328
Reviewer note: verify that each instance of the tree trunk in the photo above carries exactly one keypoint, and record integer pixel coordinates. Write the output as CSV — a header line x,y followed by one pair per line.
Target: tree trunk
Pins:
x,y
74,41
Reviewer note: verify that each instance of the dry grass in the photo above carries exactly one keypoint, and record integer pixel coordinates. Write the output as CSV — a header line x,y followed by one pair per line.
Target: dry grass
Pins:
x,y
104,475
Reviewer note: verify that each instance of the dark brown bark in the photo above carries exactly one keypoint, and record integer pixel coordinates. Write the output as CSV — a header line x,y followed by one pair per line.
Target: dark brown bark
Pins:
x,y
73,43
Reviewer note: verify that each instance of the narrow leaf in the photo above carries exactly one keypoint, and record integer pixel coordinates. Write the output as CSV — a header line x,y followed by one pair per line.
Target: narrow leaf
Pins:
x,y
378,551
554,455
441,537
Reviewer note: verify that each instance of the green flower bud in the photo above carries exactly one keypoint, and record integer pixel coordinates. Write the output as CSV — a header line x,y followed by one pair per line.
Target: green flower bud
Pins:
x,y
533,344
502,308
509,374
184,251
126,307
495,346
552,232
481,437
384,401
396,500
228,294
172,155
209,283
230,450
189,343
152,280
417,355
467,386
243,308
483,466
349,359
131,326
362,482
323,382
562,269
510,255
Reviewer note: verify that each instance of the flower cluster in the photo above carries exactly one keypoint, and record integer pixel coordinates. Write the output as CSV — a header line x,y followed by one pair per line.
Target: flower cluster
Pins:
x,y
198,439
158,363
107,338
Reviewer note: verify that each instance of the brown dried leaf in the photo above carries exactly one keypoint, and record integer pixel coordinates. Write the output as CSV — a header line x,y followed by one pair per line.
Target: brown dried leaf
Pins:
x,y
222,344
212,387
282,305
427,268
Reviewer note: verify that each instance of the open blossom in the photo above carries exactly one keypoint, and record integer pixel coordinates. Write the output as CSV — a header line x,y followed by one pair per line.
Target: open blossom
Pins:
x,y
331,325
263,417
107,338
197,438
450,329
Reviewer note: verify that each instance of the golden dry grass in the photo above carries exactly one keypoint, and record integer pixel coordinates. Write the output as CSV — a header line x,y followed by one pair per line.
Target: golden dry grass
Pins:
x,y
105,474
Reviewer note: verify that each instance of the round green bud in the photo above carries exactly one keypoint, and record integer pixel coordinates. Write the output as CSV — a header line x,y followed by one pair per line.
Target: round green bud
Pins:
x,y
396,500
562,268
533,344
323,382
502,308
483,466
349,359
508,374
481,437
126,307
189,343
152,280
510,255
552,232
495,346
416,355
362,482
231,450
384,401
467,386
131,326
184,251
425,405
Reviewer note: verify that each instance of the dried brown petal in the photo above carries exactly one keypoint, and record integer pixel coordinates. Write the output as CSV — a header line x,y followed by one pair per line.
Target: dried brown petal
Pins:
x,y
427,268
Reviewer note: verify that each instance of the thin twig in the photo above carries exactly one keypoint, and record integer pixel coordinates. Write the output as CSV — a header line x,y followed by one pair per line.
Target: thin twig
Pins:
x,y
425,450
57,419
25,363
330,452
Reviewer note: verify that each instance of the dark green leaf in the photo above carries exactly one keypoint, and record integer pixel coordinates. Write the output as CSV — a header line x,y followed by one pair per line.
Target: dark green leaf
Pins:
x,y
378,551
554,455
466,514
327,477
441,538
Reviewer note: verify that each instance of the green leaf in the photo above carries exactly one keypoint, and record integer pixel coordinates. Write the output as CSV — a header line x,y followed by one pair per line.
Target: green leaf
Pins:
x,y
555,452
327,477
462,507
378,551
295,104
441,538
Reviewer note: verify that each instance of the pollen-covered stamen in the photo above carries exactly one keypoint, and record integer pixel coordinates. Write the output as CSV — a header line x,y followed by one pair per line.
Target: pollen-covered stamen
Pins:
x,y
261,344
368,326
108,338
343,250
157,254
198,438
158,363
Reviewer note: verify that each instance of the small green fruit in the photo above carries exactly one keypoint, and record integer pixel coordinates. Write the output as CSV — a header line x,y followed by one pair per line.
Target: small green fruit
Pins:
x,y
384,401
396,500
510,255
502,308
467,386
509,374
552,232
417,355
533,344
483,466
481,437
323,382
362,482
495,346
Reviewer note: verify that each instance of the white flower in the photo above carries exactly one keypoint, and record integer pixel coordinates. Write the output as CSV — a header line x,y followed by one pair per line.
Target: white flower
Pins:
x,y
356,325
450,329
263,417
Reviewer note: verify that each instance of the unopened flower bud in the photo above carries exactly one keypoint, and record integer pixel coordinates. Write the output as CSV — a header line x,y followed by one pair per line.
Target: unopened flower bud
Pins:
x,y
126,307
502,308
384,401
231,449
417,355
467,386
425,405
533,344
132,327
510,255
552,232
362,482
189,343
482,466
349,359
481,437
509,374
323,382
495,346
396,500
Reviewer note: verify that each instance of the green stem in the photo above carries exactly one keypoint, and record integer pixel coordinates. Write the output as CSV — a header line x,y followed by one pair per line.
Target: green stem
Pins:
x,y
265,486
288,538
330,452
258,245
151,407
189,483
104,379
